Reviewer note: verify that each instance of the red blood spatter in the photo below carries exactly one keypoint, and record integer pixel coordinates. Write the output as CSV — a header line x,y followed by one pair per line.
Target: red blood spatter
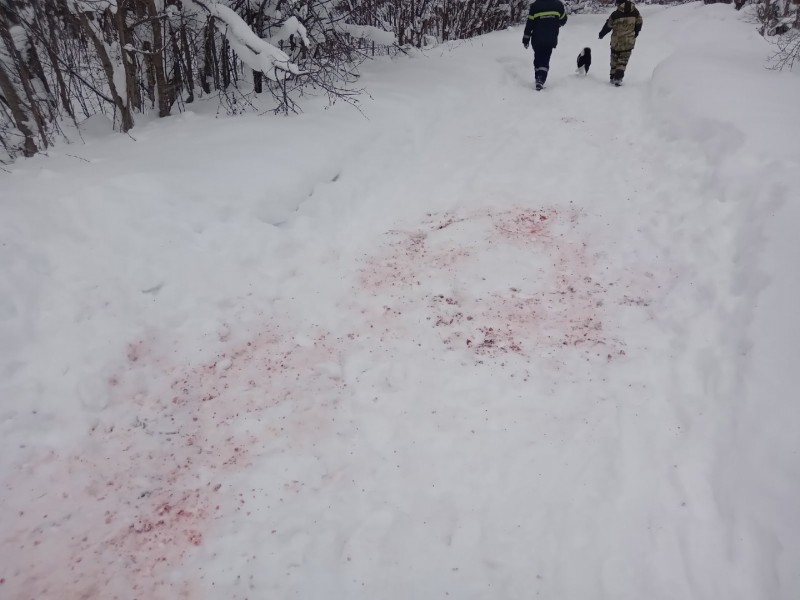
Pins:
x,y
439,222
568,312
521,225
121,513
411,255
140,496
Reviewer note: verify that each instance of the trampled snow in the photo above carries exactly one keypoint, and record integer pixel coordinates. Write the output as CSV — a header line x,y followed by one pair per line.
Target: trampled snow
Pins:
x,y
485,343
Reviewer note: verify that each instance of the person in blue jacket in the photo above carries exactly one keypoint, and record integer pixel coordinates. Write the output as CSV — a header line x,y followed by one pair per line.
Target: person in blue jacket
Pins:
x,y
545,18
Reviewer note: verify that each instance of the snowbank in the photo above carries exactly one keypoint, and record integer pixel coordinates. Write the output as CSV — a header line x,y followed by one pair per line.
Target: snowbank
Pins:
x,y
744,118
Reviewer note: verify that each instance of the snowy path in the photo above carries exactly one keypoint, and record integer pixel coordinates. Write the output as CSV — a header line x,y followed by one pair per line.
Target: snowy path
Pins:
x,y
486,355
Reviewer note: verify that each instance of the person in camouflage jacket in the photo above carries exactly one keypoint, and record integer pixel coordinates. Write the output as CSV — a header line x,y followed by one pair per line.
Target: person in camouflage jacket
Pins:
x,y
625,23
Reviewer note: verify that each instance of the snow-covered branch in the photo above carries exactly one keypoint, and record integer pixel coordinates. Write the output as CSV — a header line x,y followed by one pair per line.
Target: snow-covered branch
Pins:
x,y
256,53
291,26
369,33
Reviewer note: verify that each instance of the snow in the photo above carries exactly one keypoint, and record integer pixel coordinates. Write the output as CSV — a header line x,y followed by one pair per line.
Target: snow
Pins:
x,y
290,27
256,53
487,342
97,125
753,165
367,32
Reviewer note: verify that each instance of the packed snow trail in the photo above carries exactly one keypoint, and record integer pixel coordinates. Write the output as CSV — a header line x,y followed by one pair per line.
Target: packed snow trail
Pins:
x,y
477,346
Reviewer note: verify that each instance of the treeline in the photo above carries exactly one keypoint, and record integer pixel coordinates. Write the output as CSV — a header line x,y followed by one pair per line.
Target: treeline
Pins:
x,y
62,61
780,20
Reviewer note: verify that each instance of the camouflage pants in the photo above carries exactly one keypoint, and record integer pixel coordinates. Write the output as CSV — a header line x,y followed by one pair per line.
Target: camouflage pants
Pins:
x,y
619,60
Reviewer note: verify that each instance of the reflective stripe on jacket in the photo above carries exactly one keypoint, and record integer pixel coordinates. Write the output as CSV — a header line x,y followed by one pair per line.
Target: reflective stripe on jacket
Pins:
x,y
545,18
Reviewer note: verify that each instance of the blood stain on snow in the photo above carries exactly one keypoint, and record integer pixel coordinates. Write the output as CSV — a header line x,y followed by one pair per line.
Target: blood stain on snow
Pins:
x,y
523,225
563,308
118,516
412,250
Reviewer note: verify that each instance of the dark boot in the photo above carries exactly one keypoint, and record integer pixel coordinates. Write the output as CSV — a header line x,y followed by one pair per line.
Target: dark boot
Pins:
x,y
541,64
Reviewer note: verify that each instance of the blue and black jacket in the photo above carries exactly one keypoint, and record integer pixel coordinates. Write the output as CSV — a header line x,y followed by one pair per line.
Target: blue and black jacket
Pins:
x,y
545,18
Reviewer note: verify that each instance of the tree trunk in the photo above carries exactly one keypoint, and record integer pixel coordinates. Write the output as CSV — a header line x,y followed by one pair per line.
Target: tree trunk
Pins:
x,y
188,60
156,57
35,66
134,98
125,114
209,60
258,77
24,74
18,114
150,76
52,48
226,72
176,85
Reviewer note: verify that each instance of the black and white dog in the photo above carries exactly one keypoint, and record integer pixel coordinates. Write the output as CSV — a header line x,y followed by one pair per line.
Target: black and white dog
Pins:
x,y
584,61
